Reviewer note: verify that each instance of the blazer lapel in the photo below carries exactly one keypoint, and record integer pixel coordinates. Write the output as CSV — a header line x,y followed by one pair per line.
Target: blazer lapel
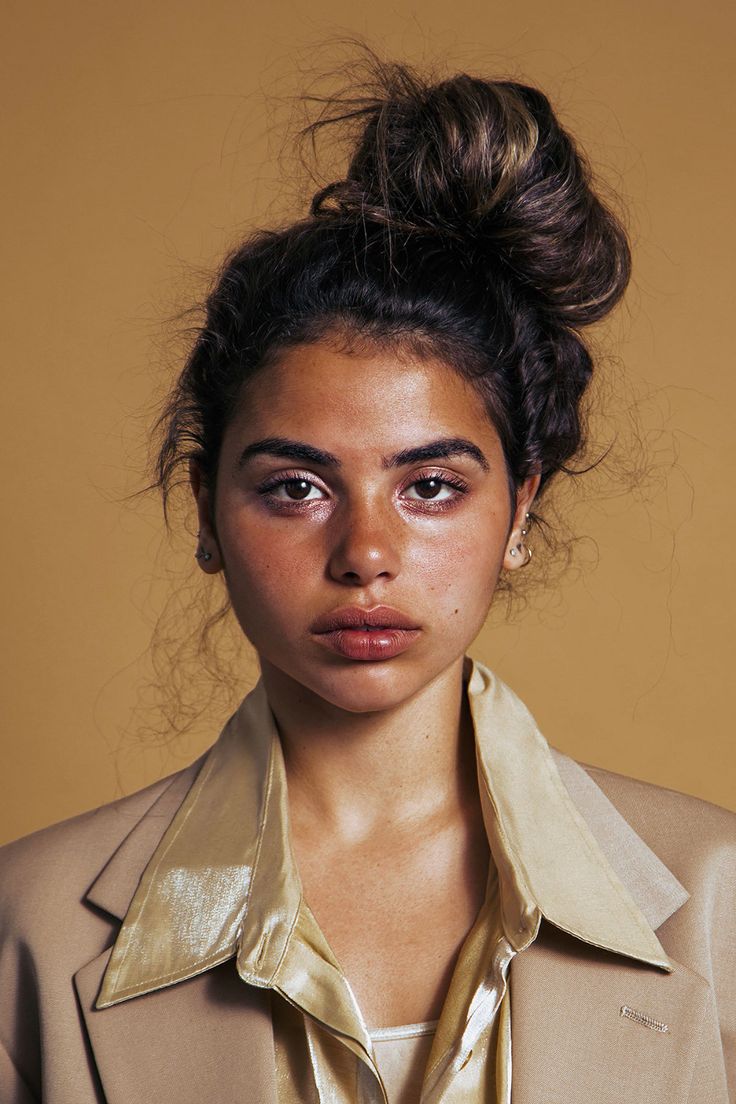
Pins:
x,y
208,1038
651,884
571,1042
590,1025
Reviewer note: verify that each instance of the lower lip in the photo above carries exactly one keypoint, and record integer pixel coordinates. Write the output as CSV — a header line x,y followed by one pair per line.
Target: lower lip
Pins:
x,y
360,644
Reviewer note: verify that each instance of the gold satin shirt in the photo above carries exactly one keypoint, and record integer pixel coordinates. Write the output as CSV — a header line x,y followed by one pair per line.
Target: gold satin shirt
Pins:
x,y
223,884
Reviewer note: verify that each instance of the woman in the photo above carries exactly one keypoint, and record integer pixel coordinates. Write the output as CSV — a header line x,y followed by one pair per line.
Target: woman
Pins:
x,y
381,883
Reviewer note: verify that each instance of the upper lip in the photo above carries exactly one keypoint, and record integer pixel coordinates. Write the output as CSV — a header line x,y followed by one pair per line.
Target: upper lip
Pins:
x,y
354,617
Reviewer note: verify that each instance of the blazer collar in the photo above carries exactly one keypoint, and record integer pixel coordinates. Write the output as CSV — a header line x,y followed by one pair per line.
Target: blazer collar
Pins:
x,y
561,848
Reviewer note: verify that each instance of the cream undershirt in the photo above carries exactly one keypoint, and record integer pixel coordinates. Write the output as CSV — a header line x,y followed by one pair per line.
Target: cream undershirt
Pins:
x,y
401,1055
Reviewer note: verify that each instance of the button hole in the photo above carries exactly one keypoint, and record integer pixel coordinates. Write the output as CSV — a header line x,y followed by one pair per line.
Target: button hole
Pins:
x,y
260,950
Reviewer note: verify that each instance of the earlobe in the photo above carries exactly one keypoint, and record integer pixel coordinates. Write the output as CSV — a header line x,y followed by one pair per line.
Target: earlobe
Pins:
x,y
203,554
518,552
208,553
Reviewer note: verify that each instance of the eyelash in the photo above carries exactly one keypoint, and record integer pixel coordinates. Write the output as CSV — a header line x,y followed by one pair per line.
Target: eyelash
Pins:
x,y
459,485
266,491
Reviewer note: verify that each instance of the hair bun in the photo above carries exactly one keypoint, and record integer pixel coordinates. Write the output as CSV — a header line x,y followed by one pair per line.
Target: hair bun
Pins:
x,y
487,165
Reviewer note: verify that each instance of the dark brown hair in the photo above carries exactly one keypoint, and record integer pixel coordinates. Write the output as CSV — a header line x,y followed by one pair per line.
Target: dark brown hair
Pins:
x,y
465,227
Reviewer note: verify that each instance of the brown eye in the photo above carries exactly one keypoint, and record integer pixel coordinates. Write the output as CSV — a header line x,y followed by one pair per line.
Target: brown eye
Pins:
x,y
429,488
436,490
297,488
291,488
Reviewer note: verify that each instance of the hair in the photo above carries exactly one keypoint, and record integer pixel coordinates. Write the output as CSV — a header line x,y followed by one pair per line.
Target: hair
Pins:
x,y
465,228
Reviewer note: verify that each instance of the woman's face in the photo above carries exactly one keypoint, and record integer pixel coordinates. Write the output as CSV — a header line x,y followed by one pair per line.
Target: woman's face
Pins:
x,y
360,479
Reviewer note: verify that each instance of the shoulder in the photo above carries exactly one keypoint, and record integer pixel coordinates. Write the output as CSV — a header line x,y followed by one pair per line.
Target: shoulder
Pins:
x,y
695,838
660,809
53,868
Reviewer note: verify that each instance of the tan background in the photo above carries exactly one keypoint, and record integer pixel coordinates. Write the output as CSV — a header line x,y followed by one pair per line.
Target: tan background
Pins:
x,y
138,140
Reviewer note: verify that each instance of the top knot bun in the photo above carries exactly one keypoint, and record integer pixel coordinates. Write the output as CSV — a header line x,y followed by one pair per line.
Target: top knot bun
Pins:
x,y
465,228
487,165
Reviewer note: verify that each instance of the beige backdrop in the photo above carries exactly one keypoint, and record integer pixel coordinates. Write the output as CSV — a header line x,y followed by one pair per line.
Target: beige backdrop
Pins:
x,y
139,139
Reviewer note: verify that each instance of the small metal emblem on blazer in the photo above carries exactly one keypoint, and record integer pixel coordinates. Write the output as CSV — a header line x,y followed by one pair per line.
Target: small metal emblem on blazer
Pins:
x,y
642,1018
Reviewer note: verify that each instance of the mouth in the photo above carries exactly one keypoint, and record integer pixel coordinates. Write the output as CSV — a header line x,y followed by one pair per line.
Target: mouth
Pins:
x,y
366,635
377,619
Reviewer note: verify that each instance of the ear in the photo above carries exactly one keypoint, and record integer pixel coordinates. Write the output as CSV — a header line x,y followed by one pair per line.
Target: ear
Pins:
x,y
518,553
208,550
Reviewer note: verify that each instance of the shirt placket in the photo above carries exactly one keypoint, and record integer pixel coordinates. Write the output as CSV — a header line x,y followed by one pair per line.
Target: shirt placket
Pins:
x,y
353,1079
462,1067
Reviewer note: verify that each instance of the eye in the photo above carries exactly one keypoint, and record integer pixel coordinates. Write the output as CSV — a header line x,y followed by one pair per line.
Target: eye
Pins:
x,y
435,488
296,488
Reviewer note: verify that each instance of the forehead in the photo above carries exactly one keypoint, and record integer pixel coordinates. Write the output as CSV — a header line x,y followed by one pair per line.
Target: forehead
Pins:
x,y
367,398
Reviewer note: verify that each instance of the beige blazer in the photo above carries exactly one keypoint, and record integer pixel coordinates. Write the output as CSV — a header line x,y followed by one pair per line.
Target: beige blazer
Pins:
x,y
65,890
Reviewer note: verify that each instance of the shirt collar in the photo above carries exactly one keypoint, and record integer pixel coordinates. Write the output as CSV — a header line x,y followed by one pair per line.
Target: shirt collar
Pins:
x,y
540,841
223,882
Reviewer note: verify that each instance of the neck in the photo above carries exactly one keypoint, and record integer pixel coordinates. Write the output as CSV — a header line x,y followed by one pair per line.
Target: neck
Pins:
x,y
356,775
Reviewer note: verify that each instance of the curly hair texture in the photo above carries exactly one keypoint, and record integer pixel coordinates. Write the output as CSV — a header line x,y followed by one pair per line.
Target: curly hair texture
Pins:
x,y
465,228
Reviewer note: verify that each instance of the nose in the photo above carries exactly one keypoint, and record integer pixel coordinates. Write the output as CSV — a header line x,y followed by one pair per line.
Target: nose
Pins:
x,y
364,545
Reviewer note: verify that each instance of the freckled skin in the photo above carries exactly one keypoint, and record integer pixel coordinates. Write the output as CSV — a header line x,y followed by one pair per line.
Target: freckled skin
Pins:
x,y
364,537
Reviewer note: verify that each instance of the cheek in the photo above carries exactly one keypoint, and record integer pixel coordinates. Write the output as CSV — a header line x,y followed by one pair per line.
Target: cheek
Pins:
x,y
463,567
266,572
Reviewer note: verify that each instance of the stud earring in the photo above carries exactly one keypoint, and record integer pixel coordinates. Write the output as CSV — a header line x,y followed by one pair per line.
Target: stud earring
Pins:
x,y
202,554
516,549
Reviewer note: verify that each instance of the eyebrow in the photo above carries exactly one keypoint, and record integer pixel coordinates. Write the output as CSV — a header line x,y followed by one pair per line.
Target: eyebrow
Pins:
x,y
441,448
289,450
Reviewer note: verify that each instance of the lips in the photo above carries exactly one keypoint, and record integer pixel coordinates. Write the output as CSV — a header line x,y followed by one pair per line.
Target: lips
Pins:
x,y
356,617
367,635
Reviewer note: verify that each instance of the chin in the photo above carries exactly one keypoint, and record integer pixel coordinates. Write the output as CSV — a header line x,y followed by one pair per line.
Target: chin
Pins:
x,y
366,694
368,687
